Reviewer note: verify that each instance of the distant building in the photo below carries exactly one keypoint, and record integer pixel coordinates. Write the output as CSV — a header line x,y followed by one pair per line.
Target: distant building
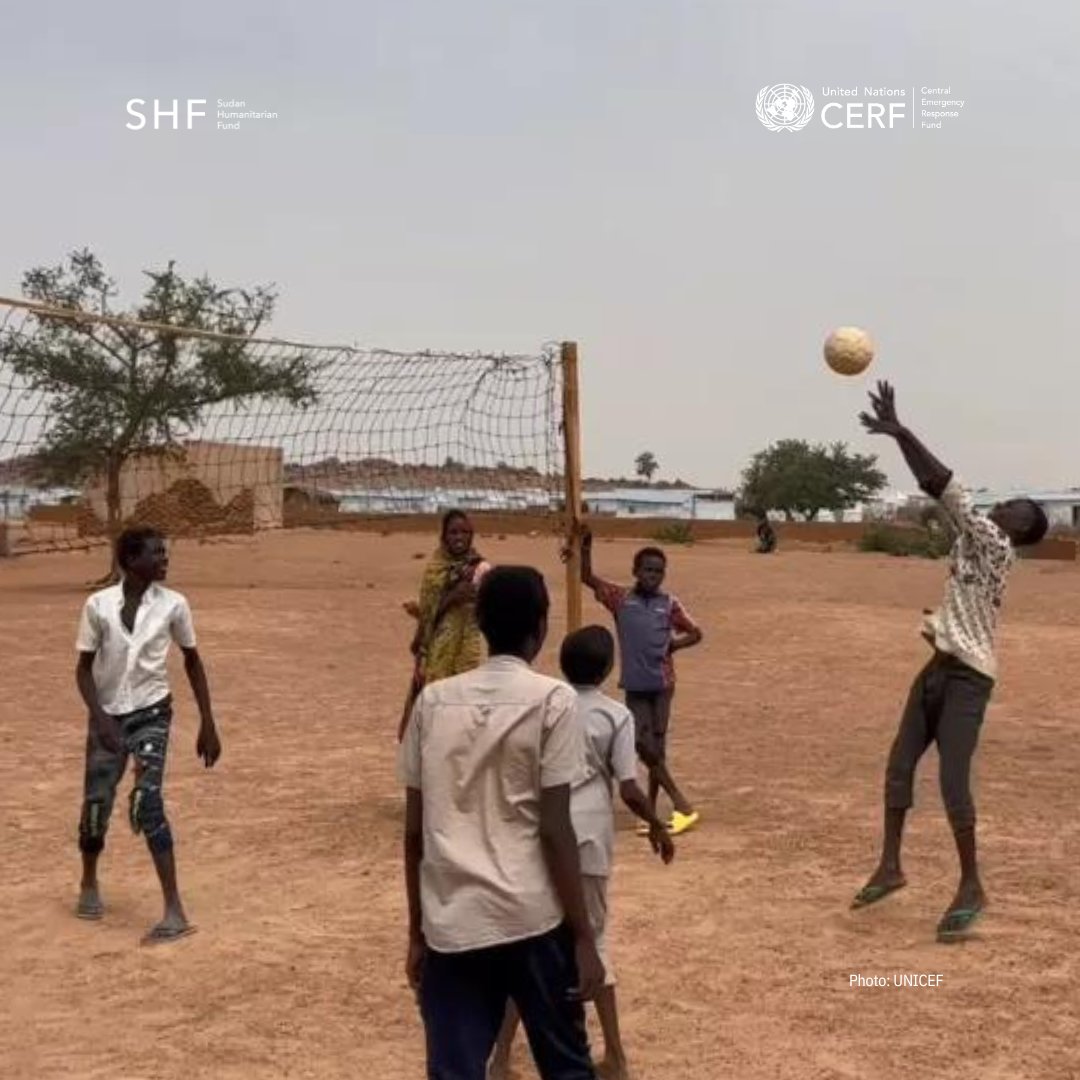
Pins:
x,y
224,469
393,500
16,501
680,503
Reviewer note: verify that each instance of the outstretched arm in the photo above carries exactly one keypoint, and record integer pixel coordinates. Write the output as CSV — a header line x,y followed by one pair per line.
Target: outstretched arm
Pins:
x,y
932,476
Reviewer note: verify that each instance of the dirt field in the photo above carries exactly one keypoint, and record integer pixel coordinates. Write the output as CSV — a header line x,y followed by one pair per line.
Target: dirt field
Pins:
x,y
734,962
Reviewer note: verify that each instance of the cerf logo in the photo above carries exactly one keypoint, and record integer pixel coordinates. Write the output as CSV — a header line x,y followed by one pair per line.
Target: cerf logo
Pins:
x,y
785,107
136,105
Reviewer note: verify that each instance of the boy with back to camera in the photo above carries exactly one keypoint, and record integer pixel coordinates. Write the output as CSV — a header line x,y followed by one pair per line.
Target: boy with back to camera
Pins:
x,y
493,881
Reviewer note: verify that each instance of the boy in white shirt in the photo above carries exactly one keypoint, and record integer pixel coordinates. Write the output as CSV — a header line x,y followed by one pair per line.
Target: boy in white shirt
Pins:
x,y
587,658
123,643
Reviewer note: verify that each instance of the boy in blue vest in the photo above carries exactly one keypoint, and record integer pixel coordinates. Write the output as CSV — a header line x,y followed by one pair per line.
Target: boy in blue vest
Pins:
x,y
652,626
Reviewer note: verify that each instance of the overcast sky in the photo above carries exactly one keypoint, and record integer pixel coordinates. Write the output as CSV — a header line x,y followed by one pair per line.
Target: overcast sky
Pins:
x,y
495,174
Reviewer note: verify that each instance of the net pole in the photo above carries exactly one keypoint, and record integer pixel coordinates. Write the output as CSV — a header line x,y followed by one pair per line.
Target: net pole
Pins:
x,y
572,480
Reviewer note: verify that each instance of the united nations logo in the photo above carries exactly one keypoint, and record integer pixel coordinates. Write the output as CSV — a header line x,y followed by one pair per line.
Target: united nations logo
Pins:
x,y
785,107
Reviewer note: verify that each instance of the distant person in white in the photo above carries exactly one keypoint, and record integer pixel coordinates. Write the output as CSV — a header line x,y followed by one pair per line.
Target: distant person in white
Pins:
x,y
586,658
123,643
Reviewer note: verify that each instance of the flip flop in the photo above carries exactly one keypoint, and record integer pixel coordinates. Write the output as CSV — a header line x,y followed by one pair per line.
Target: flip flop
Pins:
x,y
90,912
871,894
955,924
681,822
164,935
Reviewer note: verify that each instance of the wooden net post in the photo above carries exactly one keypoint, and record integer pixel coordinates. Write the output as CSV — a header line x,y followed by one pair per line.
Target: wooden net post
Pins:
x,y
572,481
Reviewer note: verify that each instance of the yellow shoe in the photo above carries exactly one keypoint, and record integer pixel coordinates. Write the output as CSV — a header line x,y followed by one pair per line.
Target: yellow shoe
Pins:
x,y
679,823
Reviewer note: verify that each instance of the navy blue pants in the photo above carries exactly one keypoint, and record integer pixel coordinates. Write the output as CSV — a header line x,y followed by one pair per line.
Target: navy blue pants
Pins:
x,y
463,998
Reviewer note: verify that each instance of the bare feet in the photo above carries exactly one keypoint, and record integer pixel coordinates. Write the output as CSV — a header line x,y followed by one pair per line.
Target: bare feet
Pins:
x,y
90,906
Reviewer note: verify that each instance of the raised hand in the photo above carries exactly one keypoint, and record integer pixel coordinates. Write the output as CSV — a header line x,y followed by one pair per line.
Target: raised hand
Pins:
x,y
884,421
584,534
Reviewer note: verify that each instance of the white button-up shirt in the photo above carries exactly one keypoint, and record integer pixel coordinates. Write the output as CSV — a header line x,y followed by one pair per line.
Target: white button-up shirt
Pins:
x,y
130,666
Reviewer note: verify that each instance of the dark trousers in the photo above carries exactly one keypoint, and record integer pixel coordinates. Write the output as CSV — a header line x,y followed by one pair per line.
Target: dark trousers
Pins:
x,y
144,736
946,705
463,998
652,717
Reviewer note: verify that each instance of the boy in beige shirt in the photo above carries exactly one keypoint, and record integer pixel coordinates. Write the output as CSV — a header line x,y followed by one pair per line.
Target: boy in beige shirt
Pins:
x,y
496,907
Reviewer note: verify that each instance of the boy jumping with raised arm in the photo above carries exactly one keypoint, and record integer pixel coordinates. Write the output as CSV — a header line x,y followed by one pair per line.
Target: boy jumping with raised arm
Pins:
x,y
949,697
652,626
587,658
123,643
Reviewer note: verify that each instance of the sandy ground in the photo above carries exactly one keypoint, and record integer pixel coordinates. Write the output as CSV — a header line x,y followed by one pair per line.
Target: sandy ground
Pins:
x,y
734,962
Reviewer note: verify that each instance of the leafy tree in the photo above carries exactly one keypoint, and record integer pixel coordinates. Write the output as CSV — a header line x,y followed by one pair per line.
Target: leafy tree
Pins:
x,y
646,465
117,390
799,479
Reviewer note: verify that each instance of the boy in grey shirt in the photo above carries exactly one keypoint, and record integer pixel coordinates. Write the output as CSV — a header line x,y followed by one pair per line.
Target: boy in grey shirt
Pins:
x,y
587,658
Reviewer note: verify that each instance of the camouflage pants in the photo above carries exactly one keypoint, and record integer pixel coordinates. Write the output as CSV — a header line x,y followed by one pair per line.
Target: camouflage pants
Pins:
x,y
144,736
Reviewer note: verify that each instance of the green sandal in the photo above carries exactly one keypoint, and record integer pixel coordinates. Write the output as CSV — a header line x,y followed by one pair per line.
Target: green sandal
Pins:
x,y
871,894
956,924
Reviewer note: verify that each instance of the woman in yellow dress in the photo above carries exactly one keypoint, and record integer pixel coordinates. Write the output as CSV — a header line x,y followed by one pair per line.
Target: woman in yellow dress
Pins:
x,y
447,640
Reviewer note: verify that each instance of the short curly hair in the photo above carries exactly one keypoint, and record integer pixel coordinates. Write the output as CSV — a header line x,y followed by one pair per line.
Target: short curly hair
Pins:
x,y
131,543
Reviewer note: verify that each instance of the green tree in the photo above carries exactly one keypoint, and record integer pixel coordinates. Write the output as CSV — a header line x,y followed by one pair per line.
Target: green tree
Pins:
x,y
799,479
118,390
646,465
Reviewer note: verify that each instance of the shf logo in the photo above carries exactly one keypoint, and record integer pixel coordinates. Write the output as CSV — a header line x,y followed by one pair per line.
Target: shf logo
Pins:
x,y
785,107
161,114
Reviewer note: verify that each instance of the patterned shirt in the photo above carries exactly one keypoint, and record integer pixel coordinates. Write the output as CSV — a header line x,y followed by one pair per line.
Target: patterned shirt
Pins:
x,y
645,626
981,558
